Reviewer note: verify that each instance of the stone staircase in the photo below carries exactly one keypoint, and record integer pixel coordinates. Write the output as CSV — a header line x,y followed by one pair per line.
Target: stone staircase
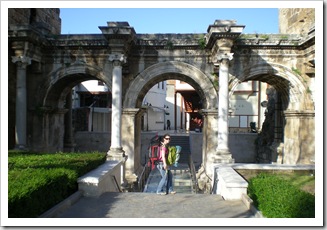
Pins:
x,y
181,178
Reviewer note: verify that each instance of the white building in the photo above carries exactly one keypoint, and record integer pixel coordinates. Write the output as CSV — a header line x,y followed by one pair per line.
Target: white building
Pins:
x,y
156,108
92,106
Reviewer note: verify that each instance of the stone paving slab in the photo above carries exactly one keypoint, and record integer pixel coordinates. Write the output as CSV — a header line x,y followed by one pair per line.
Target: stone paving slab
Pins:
x,y
149,205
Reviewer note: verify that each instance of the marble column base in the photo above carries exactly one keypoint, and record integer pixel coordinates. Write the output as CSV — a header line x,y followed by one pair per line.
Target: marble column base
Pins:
x,y
223,156
116,154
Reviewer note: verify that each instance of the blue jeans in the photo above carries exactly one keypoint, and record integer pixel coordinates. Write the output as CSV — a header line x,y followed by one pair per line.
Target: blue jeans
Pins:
x,y
166,182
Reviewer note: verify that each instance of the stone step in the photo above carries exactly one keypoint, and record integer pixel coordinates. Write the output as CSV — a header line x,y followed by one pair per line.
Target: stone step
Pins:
x,y
182,183
183,189
176,172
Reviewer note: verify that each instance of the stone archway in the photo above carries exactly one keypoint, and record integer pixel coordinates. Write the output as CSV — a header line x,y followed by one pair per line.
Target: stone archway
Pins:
x,y
293,90
177,70
140,86
52,111
63,79
297,115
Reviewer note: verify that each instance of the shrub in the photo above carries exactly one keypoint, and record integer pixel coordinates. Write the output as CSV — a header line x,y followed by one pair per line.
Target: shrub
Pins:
x,y
276,197
37,182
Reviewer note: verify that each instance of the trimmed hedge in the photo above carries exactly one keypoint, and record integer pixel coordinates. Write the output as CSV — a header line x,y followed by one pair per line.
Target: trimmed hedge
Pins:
x,y
38,181
276,197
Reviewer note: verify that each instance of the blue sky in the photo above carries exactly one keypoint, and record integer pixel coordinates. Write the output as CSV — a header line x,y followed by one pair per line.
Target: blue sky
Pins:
x,y
167,20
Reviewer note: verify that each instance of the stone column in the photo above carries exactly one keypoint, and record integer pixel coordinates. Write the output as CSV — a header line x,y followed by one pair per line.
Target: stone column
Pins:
x,y
21,104
299,137
223,154
69,140
209,140
132,142
116,149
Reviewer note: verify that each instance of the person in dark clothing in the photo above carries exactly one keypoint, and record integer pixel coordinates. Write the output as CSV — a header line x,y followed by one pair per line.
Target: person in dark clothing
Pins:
x,y
168,124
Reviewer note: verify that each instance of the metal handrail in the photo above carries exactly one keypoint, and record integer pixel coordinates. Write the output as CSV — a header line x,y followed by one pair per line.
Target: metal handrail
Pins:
x,y
193,174
116,183
143,177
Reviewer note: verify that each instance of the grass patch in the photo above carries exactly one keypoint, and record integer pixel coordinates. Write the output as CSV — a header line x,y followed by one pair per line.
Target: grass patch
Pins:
x,y
303,179
282,196
38,181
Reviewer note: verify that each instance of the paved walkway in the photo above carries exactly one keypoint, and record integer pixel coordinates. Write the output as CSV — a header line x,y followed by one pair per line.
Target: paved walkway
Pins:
x,y
151,205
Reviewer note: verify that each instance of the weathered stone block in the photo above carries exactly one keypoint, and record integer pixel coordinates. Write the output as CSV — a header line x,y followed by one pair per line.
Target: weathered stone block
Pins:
x,y
101,179
231,186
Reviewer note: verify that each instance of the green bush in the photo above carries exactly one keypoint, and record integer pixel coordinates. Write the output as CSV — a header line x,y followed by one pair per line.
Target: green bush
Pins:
x,y
276,197
38,181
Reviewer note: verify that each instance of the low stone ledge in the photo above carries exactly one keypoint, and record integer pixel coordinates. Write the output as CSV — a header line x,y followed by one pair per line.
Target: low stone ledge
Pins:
x,y
231,186
105,178
272,166
62,206
249,204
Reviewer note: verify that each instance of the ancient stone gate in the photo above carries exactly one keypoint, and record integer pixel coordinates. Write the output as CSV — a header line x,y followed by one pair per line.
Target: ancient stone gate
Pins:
x,y
45,66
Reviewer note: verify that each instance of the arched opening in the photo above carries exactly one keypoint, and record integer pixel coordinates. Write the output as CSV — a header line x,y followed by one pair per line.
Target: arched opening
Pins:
x,y
69,107
179,103
171,105
143,82
284,93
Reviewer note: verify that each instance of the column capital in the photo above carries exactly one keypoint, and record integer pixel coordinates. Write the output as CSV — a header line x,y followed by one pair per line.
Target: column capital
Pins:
x,y
21,60
117,59
130,111
209,112
225,56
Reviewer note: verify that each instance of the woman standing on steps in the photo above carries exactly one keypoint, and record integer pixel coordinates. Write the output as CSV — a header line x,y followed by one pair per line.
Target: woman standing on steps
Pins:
x,y
166,183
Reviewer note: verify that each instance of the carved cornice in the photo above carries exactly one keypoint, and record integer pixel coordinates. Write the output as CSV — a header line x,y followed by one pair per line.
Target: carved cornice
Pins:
x,y
26,33
223,29
67,42
274,41
119,35
299,114
209,112
131,111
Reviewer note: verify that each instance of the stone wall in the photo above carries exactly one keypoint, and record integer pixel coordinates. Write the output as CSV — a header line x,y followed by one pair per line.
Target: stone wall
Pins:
x,y
92,141
296,20
242,145
41,18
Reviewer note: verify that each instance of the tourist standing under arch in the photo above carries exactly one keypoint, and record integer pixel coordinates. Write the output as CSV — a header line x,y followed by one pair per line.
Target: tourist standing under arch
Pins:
x,y
166,183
